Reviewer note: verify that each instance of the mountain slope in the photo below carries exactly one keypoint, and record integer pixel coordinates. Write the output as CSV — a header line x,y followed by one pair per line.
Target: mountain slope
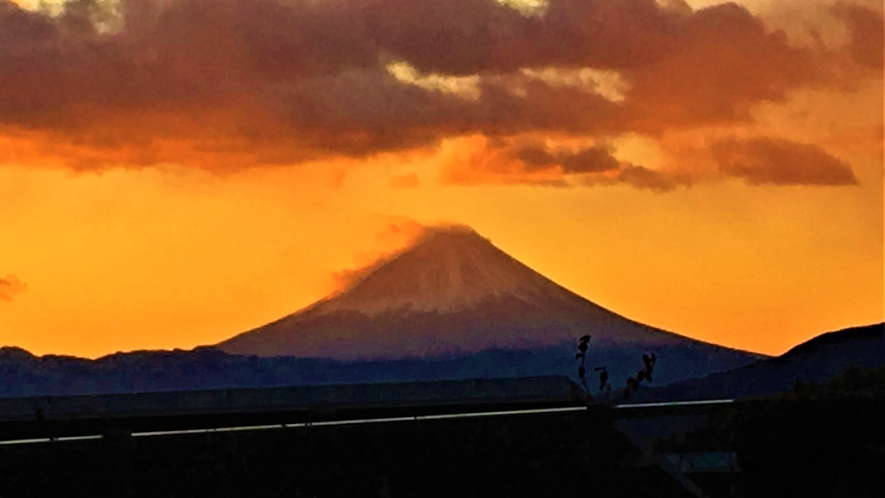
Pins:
x,y
816,360
452,293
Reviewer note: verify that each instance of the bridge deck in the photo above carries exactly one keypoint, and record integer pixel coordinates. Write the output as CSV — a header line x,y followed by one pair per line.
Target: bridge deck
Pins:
x,y
170,412
69,416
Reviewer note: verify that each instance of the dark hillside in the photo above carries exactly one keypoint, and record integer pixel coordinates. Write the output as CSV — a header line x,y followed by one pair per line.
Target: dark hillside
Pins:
x,y
817,360
816,440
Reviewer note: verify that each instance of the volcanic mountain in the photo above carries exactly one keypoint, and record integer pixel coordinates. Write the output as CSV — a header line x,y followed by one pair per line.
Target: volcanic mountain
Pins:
x,y
453,293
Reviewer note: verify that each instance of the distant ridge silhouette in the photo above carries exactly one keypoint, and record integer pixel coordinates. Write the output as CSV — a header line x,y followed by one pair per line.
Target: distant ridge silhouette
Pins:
x,y
816,360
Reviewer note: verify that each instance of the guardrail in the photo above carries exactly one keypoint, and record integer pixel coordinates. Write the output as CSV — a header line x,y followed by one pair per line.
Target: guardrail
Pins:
x,y
146,424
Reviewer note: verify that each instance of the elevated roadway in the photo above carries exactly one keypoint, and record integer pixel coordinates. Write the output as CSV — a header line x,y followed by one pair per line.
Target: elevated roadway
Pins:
x,y
45,418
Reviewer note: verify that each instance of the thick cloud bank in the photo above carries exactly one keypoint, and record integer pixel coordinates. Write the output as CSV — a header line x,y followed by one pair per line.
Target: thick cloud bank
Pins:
x,y
227,84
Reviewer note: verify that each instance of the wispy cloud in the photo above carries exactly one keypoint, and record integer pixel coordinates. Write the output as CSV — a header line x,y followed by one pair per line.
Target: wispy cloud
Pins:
x,y
10,286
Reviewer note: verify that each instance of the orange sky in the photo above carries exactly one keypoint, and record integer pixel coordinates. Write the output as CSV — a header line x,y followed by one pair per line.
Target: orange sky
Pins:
x,y
712,170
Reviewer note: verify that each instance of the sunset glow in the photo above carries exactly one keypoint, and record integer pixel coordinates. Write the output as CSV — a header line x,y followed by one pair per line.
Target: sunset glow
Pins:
x,y
174,172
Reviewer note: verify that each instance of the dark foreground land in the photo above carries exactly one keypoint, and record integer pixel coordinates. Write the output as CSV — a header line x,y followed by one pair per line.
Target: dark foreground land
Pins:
x,y
785,448
560,454
817,440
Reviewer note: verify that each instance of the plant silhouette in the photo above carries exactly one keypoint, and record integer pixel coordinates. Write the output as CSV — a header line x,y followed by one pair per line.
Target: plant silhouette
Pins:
x,y
582,355
644,374
603,378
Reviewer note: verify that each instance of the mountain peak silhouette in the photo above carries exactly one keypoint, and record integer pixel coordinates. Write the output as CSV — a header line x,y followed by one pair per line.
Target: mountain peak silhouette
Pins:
x,y
450,292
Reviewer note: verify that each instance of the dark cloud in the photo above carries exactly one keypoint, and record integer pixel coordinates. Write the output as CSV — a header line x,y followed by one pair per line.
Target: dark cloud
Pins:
x,y
536,157
645,178
867,29
237,83
477,36
758,161
11,286
499,161
721,62
780,162
589,160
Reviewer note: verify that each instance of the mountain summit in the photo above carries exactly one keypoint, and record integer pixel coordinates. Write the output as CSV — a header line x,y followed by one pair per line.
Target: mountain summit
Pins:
x,y
452,292
446,270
